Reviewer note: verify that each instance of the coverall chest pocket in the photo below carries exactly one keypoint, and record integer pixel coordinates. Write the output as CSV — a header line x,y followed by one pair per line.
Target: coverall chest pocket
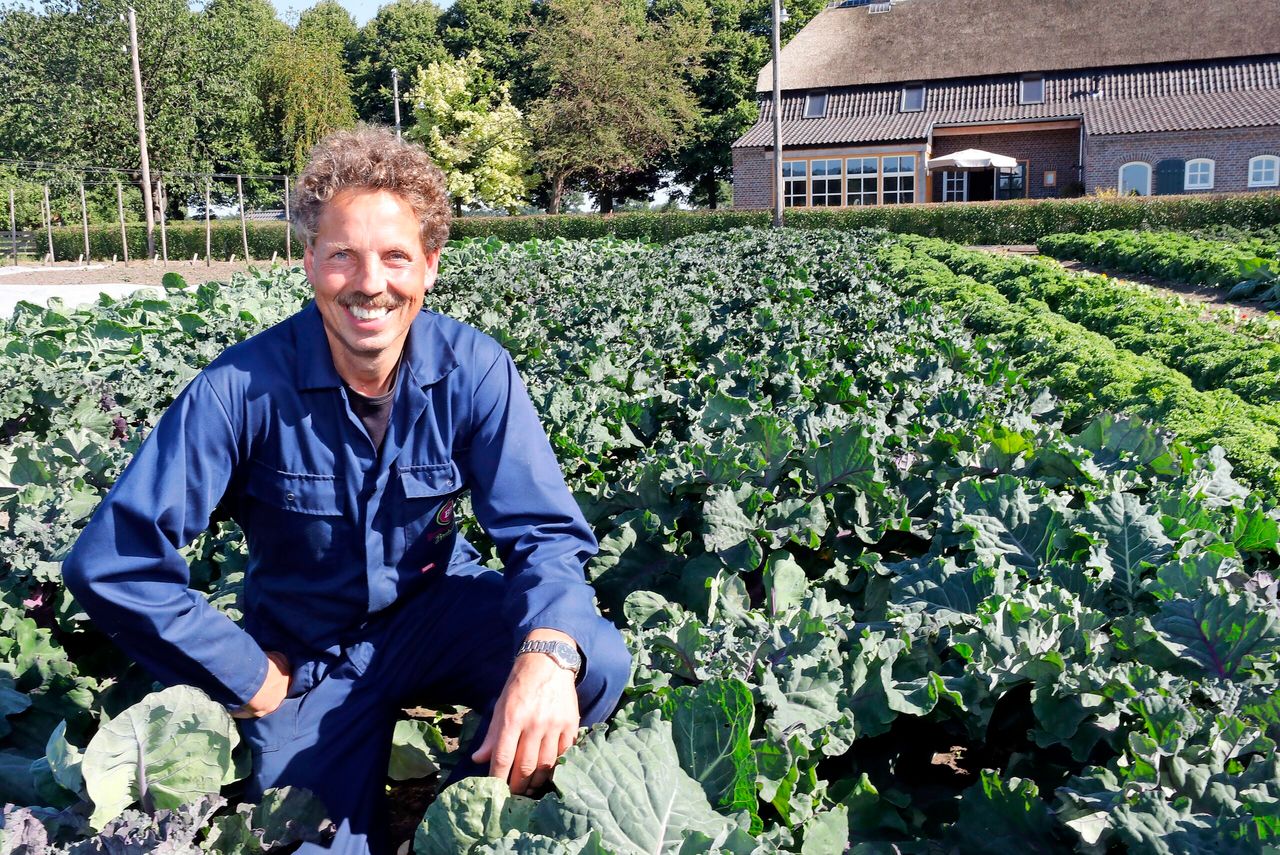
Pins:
x,y
294,509
430,494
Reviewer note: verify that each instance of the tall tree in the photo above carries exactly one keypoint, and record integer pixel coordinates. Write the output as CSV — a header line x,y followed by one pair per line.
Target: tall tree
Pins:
x,y
499,30
306,94
472,131
738,49
68,84
604,120
329,23
235,38
402,36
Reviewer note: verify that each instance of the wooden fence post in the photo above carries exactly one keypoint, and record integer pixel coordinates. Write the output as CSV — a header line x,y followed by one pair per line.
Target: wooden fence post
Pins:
x,y
48,221
288,226
124,236
164,234
208,227
84,221
13,227
244,230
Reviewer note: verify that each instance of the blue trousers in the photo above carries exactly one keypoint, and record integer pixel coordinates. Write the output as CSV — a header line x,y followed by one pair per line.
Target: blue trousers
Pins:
x,y
445,645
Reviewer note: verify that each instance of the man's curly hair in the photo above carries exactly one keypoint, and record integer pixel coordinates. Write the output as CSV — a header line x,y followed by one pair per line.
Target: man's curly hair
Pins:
x,y
371,158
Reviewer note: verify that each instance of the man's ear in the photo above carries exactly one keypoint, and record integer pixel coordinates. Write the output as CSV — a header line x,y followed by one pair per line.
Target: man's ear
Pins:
x,y
308,261
433,268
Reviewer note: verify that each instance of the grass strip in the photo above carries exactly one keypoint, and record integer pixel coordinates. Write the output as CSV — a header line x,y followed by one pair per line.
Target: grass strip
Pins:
x,y
1087,371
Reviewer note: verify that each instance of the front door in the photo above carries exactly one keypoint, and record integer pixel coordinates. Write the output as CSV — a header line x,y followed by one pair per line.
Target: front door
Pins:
x,y
982,187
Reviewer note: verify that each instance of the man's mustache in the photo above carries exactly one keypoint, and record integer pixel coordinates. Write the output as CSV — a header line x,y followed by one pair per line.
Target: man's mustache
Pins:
x,y
360,301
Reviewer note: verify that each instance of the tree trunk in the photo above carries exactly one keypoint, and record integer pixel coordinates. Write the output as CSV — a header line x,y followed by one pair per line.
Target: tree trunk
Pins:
x,y
713,187
557,191
604,196
457,206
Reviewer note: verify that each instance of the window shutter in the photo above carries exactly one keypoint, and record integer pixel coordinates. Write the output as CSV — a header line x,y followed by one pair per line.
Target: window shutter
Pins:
x,y
1169,177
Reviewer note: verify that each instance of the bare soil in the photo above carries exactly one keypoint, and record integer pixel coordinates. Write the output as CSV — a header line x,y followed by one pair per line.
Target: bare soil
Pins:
x,y
135,273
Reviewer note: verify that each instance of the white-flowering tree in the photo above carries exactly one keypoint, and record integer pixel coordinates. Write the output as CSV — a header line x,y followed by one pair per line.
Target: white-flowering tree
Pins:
x,y
472,131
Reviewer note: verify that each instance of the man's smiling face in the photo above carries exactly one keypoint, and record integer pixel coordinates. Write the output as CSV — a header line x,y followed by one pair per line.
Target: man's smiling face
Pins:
x,y
370,274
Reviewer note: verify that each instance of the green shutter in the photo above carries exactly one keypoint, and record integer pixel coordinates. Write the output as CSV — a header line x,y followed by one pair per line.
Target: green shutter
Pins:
x,y
1169,176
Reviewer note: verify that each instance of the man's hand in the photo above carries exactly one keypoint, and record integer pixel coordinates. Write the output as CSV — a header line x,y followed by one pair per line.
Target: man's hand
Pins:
x,y
535,721
274,689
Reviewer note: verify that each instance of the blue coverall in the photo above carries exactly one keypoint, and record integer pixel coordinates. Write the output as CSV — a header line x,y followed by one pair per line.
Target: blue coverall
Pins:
x,y
356,568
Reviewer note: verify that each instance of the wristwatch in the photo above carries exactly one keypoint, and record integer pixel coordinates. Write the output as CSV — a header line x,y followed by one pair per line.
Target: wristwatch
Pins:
x,y
565,655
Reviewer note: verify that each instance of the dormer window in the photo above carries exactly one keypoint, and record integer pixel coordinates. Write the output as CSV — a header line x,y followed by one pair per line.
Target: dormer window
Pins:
x,y
912,98
815,105
1031,90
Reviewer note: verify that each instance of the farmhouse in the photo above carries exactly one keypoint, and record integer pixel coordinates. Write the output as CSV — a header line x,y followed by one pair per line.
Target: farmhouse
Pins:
x,y
964,100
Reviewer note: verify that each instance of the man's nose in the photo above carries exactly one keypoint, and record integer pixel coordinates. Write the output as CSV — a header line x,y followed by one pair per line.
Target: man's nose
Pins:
x,y
371,278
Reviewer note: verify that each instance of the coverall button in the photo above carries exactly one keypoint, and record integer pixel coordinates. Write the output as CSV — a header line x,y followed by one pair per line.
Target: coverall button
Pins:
x,y
288,497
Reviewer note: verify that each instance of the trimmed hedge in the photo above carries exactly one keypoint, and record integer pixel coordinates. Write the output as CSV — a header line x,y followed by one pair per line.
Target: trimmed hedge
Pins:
x,y
1019,222
1086,370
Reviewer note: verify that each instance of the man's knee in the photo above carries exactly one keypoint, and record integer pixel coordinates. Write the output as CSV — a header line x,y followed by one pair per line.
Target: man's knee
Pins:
x,y
608,670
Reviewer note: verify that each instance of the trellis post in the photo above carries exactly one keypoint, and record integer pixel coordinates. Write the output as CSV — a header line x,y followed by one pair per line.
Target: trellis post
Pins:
x,y
244,230
164,235
84,222
48,221
208,225
124,235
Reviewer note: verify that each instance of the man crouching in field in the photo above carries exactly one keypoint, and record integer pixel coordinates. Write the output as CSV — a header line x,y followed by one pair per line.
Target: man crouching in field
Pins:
x,y
341,440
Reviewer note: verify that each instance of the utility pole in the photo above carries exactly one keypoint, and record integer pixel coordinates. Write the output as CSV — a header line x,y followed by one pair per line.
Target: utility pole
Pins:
x,y
778,18
142,136
395,87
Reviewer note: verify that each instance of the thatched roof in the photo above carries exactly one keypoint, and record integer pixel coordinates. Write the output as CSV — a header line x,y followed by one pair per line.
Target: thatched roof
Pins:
x,y
937,39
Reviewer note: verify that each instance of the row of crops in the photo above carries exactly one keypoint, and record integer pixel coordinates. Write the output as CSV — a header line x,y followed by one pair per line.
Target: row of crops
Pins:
x,y
914,552
1246,263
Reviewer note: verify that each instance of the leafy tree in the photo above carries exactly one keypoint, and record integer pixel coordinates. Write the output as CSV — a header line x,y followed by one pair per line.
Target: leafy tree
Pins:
x,y
403,36
329,23
604,120
472,131
499,30
305,94
739,47
235,37
68,84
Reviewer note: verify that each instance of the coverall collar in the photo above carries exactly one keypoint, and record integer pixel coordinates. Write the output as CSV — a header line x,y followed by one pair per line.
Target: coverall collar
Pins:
x,y
427,355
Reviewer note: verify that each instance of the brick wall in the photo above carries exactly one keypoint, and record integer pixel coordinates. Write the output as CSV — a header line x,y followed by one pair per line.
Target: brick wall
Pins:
x,y
1230,149
1057,151
752,178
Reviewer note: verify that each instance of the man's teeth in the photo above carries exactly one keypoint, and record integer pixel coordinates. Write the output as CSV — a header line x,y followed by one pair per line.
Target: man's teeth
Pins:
x,y
368,314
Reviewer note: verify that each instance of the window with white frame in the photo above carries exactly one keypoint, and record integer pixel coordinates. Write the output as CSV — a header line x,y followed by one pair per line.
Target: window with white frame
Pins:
x,y
1031,90
955,186
899,179
827,176
862,176
795,183
1264,171
815,105
1135,179
912,98
1199,174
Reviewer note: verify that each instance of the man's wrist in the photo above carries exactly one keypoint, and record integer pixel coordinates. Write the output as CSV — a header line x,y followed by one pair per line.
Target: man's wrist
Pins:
x,y
559,646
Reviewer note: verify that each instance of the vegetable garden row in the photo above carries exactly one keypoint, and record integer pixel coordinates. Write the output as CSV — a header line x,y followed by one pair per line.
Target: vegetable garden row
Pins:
x,y
914,547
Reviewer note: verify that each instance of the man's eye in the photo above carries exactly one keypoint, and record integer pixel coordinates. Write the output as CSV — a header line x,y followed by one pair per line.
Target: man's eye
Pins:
x,y
340,254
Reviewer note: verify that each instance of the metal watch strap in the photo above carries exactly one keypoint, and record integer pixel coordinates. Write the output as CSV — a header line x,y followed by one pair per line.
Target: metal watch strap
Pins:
x,y
565,655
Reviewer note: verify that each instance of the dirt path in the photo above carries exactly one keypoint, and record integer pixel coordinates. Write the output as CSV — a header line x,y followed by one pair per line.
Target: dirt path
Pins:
x,y
135,273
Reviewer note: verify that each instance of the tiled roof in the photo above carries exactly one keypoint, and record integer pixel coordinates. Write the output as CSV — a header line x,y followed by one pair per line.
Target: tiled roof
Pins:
x,y
943,39
1239,93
